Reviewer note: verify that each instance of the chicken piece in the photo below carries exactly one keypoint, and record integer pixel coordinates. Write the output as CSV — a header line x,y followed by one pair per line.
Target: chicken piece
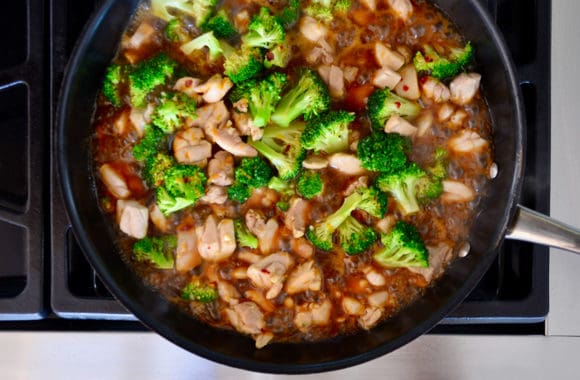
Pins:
x,y
215,195
362,181
306,276
241,21
384,225
245,125
464,87
215,88
455,191
227,292
396,124
263,339
296,216
187,86
388,58
375,278
114,182
144,35
402,8
352,306
190,147
221,169
346,163
302,248
227,238
315,163
229,139
370,317
186,255
133,218
256,222
246,317
270,273
312,30
379,299
264,231
312,314
456,120
408,87
122,123
208,239
336,82
211,116
370,4
158,219
438,256
140,118
249,257
445,112
424,123
386,77
435,90
350,73
258,298
467,141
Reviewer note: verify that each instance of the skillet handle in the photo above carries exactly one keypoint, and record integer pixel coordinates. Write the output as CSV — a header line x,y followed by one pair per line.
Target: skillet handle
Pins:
x,y
533,227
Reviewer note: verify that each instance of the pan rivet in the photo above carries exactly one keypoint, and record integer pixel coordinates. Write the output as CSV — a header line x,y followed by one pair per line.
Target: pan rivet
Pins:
x,y
493,170
464,250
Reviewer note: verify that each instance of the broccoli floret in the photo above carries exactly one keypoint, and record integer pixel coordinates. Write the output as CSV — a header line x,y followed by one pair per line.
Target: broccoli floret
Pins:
x,y
173,110
263,97
402,185
112,83
281,186
155,168
152,142
325,10
354,237
264,31
373,201
438,167
200,10
252,173
198,292
279,55
289,14
429,188
282,147
182,186
176,32
328,132
309,97
243,235
309,184
383,152
403,247
147,75
440,67
342,6
157,250
221,26
382,104
243,64
205,40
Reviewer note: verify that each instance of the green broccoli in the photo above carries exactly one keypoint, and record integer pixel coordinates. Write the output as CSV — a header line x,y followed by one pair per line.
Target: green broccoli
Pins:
x,y
176,32
438,167
354,237
205,40
440,67
342,6
157,250
198,292
252,173
264,31
289,14
147,75
172,112
403,186
285,189
279,55
182,186
382,104
156,167
309,97
403,247
373,201
221,26
243,64
429,188
325,10
282,147
243,235
383,152
320,234
199,10
152,142
112,84
263,96
328,132
309,184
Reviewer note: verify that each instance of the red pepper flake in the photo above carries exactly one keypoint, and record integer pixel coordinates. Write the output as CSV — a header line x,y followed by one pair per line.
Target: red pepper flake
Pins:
x,y
405,87
428,59
423,80
264,270
398,104
269,56
188,83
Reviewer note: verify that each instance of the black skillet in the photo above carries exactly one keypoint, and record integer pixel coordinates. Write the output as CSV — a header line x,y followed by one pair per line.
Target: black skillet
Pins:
x,y
500,214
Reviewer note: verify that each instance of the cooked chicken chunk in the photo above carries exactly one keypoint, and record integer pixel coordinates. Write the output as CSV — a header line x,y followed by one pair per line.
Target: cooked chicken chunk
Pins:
x,y
215,88
264,231
208,240
370,317
312,314
352,306
315,163
263,339
375,278
370,4
388,58
445,112
386,77
229,139
140,118
379,299
133,218
435,90
270,273
211,116
114,181
189,146
302,248
221,169
246,317
408,87
464,87
144,35
402,8
312,30
244,123
346,163
122,123
296,215
438,256
454,191
186,255
336,82
215,194
306,276
396,124
467,142
158,219
227,292
187,85
227,238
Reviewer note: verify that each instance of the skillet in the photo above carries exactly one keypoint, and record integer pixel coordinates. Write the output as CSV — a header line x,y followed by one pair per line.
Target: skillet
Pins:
x,y
499,216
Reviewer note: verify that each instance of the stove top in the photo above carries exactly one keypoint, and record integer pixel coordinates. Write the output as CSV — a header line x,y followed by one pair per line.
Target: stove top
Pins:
x,y
45,280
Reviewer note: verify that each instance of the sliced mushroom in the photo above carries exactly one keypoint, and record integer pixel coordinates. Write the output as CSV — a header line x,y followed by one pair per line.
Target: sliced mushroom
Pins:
x,y
315,163
306,276
133,218
270,273
464,87
114,182
144,35
221,169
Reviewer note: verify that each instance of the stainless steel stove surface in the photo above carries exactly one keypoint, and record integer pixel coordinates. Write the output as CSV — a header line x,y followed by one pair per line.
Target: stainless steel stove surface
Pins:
x,y
45,281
